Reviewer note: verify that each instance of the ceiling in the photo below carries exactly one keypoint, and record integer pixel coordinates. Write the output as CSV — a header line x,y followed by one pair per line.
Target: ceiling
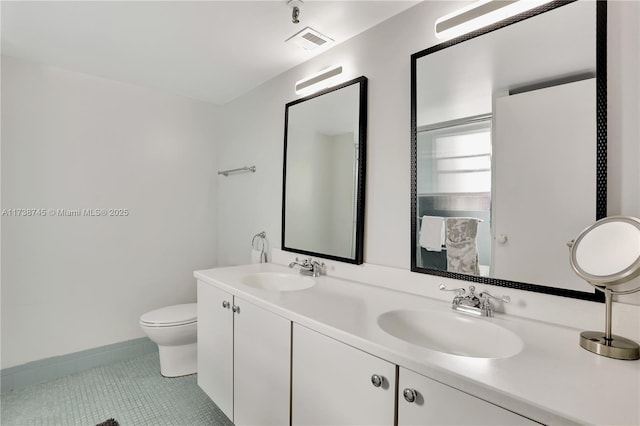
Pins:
x,y
213,51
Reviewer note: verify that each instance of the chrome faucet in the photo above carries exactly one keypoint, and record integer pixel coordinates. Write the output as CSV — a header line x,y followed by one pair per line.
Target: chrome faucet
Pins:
x,y
472,304
485,302
309,267
471,300
457,298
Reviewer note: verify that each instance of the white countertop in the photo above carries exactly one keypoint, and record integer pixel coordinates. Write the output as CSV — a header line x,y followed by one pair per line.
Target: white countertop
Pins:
x,y
552,380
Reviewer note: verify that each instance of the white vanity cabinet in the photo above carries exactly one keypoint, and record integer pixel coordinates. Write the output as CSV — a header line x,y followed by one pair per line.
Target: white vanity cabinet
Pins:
x,y
423,401
244,358
307,357
333,383
215,346
262,366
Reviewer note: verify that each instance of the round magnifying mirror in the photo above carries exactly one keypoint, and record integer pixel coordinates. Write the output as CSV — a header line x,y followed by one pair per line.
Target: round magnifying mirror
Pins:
x,y
605,254
608,252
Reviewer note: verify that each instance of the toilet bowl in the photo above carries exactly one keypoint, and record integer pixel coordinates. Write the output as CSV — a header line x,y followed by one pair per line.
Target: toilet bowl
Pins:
x,y
174,330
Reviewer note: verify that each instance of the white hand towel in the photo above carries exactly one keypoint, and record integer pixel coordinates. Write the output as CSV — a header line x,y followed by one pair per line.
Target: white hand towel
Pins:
x,y
257,256
432,233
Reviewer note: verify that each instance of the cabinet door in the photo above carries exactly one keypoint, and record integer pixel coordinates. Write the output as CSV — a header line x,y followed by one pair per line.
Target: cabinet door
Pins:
x,y
332,383
215,346
438,404
262,386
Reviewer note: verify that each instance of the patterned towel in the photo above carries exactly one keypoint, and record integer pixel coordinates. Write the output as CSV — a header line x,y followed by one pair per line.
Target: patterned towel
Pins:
x,y
462,247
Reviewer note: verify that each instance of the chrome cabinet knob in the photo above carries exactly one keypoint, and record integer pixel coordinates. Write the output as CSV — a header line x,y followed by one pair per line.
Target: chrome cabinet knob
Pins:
x,y
236,309
225,304
377,380
410,395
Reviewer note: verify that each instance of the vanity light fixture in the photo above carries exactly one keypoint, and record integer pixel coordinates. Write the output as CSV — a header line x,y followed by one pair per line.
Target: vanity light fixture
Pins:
x,y
321,80
480,14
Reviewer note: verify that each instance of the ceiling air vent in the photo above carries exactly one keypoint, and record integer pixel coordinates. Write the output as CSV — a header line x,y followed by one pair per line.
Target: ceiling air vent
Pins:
x,y
309,39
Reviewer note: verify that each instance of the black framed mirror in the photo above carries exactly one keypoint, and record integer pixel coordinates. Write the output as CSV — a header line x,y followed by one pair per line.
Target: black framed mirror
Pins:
x,y
508,148
323,188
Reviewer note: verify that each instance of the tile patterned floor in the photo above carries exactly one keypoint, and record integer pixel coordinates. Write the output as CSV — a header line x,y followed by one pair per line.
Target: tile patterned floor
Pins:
x,y
132,391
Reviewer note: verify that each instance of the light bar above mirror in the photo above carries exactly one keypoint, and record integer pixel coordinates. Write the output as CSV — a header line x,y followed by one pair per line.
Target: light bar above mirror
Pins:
x,y
480,14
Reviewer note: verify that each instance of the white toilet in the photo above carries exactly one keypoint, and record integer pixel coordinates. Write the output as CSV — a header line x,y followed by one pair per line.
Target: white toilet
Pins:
x,y
173,328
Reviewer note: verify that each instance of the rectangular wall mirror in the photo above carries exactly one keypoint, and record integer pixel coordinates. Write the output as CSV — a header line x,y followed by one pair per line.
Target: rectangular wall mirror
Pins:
x,y
324,173
509,149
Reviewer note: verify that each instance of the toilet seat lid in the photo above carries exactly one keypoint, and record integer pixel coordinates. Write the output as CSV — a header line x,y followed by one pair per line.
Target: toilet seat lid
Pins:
x,y
171,315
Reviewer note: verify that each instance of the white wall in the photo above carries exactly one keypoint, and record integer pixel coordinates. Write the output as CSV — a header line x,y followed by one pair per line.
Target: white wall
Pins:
x,y
254,133
72,141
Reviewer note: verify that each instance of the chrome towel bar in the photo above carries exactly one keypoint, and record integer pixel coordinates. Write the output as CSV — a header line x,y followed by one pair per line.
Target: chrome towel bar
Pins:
x,y
244,169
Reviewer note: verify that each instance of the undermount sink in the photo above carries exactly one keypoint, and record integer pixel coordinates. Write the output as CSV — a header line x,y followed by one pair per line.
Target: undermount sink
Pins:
x,y
274,281
451,333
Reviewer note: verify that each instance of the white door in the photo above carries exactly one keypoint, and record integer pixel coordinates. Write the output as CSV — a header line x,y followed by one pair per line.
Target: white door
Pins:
x,y
537,205
332,383
215,346
262,346
437,404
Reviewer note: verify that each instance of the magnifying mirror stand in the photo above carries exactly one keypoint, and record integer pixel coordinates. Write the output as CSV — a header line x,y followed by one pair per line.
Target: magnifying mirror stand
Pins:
x,y
606,254
608,344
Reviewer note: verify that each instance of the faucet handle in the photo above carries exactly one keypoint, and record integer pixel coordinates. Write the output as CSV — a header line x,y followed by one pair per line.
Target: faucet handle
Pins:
x,y
459,291
318,268
303,262
486,295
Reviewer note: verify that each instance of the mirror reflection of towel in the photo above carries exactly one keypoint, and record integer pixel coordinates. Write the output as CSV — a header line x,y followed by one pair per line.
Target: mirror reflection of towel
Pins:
x,y
432,233
462,247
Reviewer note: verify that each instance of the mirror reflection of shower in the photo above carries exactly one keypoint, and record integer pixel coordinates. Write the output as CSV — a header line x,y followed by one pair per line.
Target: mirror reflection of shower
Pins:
x,y
454,196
